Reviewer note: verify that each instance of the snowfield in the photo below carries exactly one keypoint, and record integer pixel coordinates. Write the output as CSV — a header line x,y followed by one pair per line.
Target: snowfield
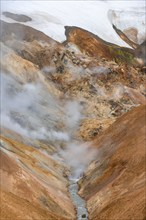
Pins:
x,y
50,17
125,20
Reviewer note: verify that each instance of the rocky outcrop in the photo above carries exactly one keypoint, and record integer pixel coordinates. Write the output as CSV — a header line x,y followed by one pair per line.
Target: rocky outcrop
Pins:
x,y
30,44
114,184
125,38
140,50
105,92
96,47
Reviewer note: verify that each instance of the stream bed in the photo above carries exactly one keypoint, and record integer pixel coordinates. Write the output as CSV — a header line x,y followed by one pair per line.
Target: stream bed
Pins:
x,y
80,204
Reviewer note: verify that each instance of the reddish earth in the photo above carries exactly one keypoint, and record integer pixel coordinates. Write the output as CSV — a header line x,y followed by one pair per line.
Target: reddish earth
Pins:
x,y
33,185
114,184
112,97
92,45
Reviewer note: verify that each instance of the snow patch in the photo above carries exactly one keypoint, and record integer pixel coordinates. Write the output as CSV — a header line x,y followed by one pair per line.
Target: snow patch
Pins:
x,y
50,17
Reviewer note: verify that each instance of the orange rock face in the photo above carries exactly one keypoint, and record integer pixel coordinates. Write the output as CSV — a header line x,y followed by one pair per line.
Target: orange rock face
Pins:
x,y
94,46
87,42
114,184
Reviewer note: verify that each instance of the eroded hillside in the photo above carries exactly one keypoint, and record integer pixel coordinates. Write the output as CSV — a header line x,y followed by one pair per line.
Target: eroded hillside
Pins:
x,y
65,105
114,184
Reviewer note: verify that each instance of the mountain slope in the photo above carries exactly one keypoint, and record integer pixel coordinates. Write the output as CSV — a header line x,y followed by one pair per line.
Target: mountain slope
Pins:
x,y
66,104
114,184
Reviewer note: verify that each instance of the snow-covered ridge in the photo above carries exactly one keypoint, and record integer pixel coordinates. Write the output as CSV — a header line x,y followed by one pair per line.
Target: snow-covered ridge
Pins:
x,y
50,17
125,20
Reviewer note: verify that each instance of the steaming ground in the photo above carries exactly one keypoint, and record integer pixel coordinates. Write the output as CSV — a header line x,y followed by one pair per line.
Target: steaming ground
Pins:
x,y
27,109
33,112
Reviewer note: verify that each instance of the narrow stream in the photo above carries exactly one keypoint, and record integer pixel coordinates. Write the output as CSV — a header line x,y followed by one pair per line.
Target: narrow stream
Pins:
x,y
79,203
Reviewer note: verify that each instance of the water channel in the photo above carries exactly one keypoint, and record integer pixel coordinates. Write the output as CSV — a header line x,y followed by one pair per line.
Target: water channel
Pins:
x,y
79,203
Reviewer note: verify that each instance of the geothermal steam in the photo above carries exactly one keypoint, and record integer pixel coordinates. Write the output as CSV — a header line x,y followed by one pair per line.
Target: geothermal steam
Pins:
x,y
32,111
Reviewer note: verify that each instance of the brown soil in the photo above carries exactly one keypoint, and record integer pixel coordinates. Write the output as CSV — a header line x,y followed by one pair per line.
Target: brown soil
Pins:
x,y
114,184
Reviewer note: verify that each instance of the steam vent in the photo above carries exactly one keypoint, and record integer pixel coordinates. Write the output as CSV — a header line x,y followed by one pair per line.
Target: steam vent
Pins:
x,y
73,110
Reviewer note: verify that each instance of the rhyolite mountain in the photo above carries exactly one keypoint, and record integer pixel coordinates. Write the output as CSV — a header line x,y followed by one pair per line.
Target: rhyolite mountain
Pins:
x,y
75,108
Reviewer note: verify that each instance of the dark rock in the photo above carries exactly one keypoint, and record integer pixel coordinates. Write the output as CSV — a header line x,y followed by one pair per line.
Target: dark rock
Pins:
x,y
84,216
60,69
16,17
23,33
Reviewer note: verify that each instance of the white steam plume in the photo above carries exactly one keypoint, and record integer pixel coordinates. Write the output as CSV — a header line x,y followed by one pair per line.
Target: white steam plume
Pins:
x,y
78,156
32,112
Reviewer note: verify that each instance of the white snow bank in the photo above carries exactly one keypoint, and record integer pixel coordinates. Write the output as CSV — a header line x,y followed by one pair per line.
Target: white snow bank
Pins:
x,y
50,17
125,20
